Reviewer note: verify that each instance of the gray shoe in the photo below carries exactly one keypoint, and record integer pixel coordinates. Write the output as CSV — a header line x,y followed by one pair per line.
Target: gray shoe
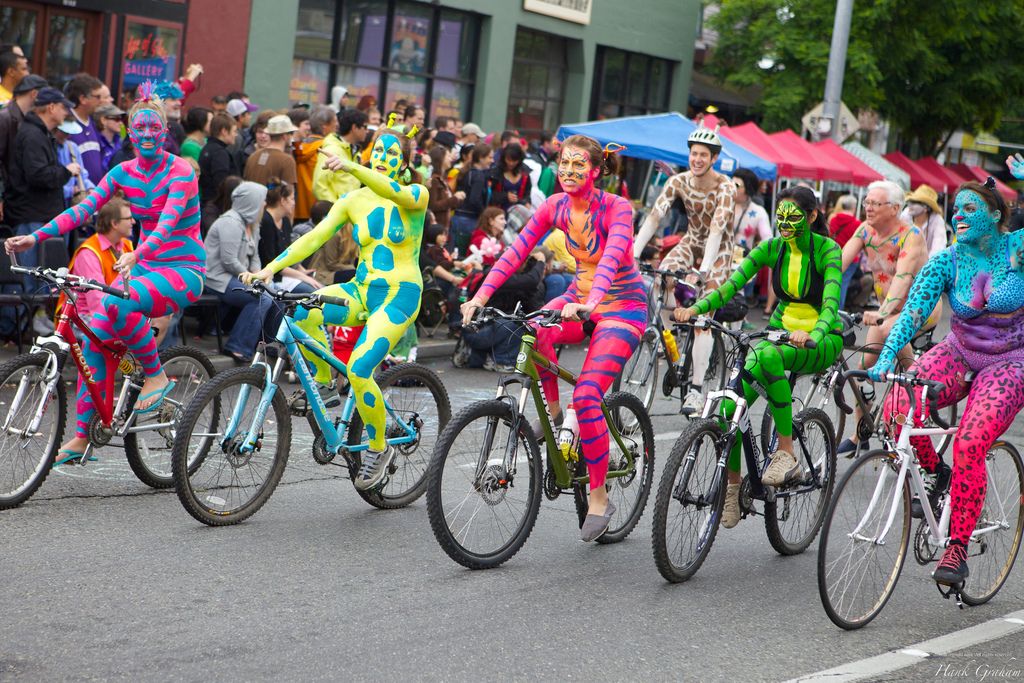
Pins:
x,y
373,468
594,526
693,404
784,466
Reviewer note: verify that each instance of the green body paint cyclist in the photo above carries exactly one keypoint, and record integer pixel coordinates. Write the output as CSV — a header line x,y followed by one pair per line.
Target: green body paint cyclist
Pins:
x,y
806,278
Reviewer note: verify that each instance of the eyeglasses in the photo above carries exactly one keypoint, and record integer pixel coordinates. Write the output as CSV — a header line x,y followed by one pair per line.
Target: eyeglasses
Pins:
x,y
877,205
122,219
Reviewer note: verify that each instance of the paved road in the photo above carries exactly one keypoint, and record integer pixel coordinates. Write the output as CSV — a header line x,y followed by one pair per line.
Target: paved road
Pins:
x,y
106,579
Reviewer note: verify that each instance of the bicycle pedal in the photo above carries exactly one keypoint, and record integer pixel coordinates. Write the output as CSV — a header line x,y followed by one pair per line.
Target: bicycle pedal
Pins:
x,y
956,591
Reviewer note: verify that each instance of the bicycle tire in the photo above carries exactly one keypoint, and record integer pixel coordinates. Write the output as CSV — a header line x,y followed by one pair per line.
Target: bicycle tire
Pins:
x,y
855,489
28,474
782,510
143,458
490,492
394,494
202,498
1004,500
639,375
704,500
629,508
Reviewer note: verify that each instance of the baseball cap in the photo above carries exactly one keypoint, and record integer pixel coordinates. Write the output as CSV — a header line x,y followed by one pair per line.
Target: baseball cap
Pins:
x,y
279,125
238,107
445,138
473,129
30,82
109,111
70,127
51,96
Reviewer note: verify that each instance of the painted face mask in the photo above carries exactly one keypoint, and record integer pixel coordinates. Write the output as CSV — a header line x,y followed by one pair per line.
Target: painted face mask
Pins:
x,y
791,221
575,172
148,133
386,157
972,218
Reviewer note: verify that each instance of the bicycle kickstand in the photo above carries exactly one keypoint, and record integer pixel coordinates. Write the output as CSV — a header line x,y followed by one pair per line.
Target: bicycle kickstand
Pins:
x,y
955,591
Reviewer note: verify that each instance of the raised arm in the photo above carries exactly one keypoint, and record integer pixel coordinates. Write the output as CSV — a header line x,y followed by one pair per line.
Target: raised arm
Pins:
x,y
414,197
853,247
536,228
80,213
617,247
661,206
763,255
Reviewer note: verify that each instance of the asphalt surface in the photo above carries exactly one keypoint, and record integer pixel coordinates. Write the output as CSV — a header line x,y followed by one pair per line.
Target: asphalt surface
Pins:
x,y
105,579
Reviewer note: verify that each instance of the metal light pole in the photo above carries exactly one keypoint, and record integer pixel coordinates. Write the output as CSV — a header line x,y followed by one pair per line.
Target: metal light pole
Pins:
x,y
836,67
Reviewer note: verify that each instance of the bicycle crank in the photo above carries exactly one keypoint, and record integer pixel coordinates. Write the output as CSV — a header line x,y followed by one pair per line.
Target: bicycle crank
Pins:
x,y
99,434
924,552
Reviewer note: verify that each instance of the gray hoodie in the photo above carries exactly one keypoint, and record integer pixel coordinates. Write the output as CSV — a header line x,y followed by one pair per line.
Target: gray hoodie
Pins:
x,y
230,250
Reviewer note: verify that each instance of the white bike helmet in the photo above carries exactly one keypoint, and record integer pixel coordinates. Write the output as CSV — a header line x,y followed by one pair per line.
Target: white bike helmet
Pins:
x,y
705,136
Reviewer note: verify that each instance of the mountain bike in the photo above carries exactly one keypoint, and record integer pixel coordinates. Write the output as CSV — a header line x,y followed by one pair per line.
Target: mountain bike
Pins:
x,y
867,530
688,507
34,398
640,373
486,475
235,436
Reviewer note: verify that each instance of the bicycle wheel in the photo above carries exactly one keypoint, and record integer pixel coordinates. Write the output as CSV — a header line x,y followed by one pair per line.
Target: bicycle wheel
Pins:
x,y
718,367
26,458
417,395
688,507
149,452
484,486
793,519
629,494
215,482
991,554
639,375
857,572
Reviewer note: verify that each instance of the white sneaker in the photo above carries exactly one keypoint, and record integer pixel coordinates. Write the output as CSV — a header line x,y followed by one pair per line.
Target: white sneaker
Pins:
x,y
693,403
783,466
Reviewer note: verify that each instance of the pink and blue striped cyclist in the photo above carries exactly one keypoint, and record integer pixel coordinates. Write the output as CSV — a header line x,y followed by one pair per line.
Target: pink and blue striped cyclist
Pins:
x,y
167,269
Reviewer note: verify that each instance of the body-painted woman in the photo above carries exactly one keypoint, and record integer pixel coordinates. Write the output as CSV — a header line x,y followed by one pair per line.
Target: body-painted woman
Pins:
x,y
806,279
607,288
387,224
982,274
167,269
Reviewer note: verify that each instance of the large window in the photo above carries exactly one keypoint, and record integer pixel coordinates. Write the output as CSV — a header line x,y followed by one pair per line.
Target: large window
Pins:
x,y
58,42
629,84
538,82
387,50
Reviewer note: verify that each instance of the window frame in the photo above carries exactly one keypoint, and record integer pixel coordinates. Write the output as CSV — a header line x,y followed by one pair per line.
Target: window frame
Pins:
x,y
522,64
623,103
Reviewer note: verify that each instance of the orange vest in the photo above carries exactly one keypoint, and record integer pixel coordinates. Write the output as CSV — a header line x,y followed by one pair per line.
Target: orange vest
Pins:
x,y
107,261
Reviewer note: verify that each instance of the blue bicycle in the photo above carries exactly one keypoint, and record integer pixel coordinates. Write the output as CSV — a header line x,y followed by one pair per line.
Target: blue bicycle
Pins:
x,y
234,438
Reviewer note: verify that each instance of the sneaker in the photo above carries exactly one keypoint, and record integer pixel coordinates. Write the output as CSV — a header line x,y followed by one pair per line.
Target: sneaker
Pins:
x,y
490,365
849,447
693,403
938,489
329,394
594,526
952,569
461,356
731,509
373,468
784,465
538,431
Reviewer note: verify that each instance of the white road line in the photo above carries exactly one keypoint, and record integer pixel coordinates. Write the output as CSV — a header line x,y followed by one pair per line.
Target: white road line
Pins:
x,y
667,436
914,654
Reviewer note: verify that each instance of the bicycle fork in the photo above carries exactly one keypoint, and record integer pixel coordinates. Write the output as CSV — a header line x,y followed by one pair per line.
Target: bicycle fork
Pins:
x,y
51,373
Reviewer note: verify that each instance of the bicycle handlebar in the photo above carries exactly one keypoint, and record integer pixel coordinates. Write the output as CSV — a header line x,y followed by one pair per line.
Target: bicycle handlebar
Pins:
x,y
543,317
678,274
62,279
905,379
311,299
702,322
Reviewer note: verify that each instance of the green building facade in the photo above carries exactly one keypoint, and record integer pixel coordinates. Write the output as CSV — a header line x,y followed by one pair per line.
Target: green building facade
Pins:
x,y
526,64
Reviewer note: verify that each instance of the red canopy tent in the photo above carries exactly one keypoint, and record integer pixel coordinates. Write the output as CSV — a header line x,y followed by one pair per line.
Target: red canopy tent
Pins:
x,y
861,173
980,174
918,174
826,166
791,163
951,179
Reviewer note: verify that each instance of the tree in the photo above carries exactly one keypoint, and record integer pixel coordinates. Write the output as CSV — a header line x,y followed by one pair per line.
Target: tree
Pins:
x,y
928,67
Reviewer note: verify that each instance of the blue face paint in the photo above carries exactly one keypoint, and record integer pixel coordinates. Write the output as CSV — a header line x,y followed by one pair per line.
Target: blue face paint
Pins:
x,y
148,133
386,157
972,218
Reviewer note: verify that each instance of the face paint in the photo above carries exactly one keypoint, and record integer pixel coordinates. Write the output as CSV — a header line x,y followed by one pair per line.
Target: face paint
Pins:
x,y
791,221
386,157
575,172
148,133
972,218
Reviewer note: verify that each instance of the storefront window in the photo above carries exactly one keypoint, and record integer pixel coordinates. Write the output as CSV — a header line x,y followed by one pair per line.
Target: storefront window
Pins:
x,y
359,82
309,81
409,48
364,26
629,84
18,27
536,91
150,53
314,30
450,99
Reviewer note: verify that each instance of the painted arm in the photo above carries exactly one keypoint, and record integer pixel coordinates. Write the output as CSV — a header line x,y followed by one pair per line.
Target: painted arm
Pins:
x,y
853,247
721,225
661,206
764,254
911,258
935,278
79,214
829,260
617,247
536,228
312,240
178,192
414,197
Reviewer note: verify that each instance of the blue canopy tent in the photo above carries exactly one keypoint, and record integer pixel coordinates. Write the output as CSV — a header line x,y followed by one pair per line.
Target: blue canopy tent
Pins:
x,y
662,137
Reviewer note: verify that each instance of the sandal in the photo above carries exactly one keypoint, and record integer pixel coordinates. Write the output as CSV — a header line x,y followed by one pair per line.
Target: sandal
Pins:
x,y
161,394
239,358
69,456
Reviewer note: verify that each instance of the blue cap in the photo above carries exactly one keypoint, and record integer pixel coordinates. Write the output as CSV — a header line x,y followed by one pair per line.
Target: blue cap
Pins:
x,y
47,96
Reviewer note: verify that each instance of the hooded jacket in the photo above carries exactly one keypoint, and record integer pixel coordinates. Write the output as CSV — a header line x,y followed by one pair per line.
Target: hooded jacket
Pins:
x,y
35,189
230,249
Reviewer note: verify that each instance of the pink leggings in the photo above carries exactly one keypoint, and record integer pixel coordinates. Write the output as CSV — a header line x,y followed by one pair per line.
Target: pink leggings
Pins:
x,y
611,344
993,401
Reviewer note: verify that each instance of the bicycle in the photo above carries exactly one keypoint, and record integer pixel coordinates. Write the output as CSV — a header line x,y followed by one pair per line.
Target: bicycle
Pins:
x,y
640,372
691,494
235,436
32,383
867,528
486,475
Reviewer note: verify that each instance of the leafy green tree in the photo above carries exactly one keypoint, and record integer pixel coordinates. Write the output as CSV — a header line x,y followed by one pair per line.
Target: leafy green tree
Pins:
x,y
928,67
